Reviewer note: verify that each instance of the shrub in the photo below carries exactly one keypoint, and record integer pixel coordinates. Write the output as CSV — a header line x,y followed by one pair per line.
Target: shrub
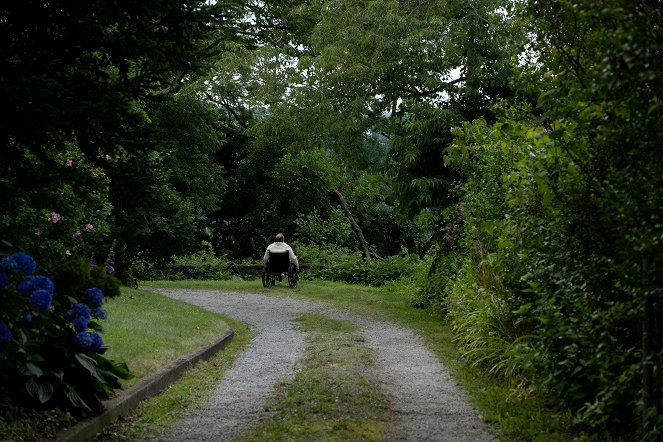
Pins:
x,y
51,350
319,257
204,264
485,329
444,265
336,263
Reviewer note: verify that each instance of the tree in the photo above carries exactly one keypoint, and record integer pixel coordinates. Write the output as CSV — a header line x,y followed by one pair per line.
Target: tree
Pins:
x,y
355,70
71,77
476,52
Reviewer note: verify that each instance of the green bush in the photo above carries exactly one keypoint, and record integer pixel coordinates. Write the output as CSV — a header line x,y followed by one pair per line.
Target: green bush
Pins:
x,y
67,217
204,264
336,263
485,328
595,247
442,271
319,256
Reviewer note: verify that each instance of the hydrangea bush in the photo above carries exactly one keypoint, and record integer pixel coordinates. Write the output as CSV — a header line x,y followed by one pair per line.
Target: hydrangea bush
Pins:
x,y
51,349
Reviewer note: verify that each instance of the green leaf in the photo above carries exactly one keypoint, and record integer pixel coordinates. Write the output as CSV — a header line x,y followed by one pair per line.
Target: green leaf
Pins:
x,y
30,369
91,366
74,397
58,374
43,392
31,387
121,370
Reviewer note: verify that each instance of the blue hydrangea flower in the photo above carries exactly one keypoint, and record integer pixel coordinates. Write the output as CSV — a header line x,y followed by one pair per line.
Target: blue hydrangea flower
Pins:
x,y
25,287
83,340
99,313
41,299
3,280
7,264
32,283
24,263
28,317
45,283
80,324
96,343
88,341
81,311
94,296
5,333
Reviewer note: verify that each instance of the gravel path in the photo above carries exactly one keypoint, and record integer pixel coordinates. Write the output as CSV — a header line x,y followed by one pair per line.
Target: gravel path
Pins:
x,y
426,402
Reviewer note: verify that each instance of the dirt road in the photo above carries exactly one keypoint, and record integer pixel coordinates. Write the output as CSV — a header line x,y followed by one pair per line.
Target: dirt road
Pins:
x,y
426,402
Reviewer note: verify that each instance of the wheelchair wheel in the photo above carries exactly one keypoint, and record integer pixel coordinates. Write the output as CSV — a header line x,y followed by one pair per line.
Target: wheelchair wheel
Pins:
x,y
265,279
293,277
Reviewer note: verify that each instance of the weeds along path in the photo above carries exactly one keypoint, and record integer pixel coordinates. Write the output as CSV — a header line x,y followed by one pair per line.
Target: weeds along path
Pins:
x,y
425,402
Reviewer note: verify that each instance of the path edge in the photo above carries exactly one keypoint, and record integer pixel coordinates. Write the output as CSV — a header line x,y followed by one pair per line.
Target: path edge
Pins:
x,y
128,399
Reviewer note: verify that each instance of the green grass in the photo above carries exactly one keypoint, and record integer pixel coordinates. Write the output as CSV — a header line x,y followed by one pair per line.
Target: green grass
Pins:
x,y
333,396
148,331
518,414
196,385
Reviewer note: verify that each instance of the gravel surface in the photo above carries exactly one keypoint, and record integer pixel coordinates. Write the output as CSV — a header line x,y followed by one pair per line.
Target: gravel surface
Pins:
x,y
426,402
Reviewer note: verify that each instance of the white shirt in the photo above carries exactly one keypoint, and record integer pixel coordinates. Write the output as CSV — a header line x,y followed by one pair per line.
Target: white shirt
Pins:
x,y
280,247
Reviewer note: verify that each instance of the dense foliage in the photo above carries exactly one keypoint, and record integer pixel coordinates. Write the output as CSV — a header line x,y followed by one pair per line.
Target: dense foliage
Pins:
x,y
512,147
557,264
74,77
598,283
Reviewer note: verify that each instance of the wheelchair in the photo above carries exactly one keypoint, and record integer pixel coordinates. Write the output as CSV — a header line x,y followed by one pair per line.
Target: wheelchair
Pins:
x,y
278,265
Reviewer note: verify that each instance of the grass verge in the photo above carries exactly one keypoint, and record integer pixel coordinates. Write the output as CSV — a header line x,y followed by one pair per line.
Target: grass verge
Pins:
x,y
156,414
519,414
149,331
333,395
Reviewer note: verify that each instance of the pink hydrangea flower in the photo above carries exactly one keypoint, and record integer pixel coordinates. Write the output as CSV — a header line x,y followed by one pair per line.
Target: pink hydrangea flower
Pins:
x,y
89,227
37,231
77,233
70,163
55,217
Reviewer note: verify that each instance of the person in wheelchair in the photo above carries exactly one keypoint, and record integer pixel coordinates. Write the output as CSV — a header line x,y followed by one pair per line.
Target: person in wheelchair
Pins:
x,y
279,259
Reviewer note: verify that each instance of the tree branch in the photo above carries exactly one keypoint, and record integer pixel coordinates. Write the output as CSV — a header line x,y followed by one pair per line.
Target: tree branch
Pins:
x,y
335,196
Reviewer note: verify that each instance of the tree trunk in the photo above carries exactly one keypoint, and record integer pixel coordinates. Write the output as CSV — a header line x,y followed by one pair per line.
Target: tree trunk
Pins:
x,y
336,196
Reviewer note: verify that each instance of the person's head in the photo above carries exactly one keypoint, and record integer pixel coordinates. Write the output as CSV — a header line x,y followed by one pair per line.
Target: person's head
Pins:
x,y
279,237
